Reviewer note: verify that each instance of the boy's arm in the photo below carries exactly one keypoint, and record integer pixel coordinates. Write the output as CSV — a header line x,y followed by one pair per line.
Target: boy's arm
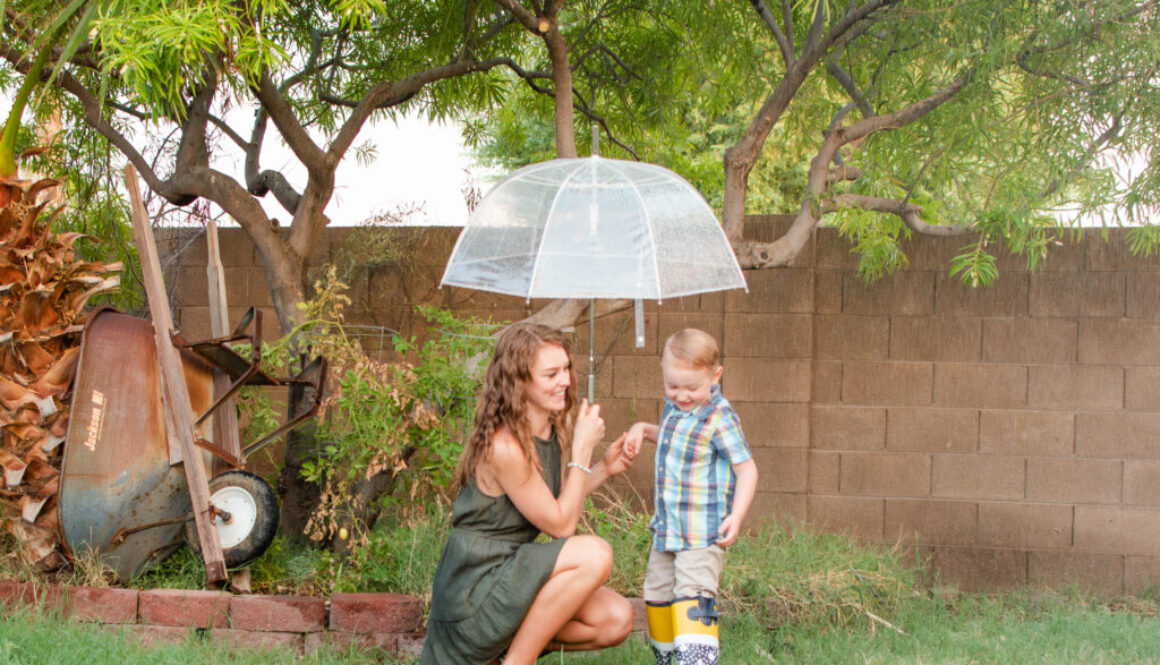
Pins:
x,y
742,498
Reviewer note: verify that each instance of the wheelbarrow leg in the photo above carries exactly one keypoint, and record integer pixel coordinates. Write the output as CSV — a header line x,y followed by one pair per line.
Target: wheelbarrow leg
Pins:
x,y
178,410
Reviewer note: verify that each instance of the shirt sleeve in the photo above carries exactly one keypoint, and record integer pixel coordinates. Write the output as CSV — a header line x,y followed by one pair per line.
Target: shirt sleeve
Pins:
x,y
729,440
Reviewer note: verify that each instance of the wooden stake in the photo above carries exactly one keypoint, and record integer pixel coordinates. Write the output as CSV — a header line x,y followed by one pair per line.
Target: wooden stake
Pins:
x,y
225,417
178,410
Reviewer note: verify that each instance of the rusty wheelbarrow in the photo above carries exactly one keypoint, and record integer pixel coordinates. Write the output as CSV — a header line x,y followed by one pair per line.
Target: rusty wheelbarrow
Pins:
x,y
120,497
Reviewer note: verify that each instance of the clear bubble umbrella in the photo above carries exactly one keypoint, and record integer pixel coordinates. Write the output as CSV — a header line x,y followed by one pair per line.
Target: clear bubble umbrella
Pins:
x,y
594,228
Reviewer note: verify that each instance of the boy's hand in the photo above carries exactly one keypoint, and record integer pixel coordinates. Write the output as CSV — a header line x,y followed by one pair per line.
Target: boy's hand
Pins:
x,y
635,438
729,531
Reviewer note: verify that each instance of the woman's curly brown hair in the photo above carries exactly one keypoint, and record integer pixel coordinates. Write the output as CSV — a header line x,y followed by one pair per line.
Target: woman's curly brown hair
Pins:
x,y
502,401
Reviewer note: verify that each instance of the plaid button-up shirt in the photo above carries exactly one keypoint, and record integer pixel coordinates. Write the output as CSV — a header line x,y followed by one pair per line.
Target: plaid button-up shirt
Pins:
x,y
696,452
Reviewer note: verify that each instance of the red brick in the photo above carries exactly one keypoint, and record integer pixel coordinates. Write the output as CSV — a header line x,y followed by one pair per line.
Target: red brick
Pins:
x,y
102,605
341,641
1074,480
1075,387
179,607
782,469
1142,483
639,614
1025,525
247,639
932,430
410,645
1029,341
149,636
856,337
903,293
1070,295
1026,432
824,472
1119,342
773,290
1117,530
374,612
758,380
932,522
1113,435
771,424
1006,297
887,383
1092,573
47,597
827,382
979,569
978,477
981,386
944,338
768,335
1142,388
848,428
291,614
885,474
863,518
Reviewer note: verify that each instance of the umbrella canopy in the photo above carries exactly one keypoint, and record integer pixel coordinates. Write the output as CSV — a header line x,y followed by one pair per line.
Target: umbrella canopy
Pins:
x,y
593,228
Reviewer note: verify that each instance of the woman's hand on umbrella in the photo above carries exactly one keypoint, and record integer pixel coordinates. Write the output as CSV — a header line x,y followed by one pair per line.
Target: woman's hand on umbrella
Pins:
x,y
587,433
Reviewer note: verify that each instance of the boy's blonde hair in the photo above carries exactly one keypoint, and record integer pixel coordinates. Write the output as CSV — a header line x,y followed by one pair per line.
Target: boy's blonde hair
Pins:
x,y
695,347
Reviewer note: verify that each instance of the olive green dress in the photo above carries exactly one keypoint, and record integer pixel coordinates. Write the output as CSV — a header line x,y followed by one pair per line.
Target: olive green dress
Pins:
x,y
489,573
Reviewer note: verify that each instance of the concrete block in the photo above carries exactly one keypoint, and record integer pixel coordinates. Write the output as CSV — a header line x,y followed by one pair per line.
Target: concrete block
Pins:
x,y
932,430
856,337
1116,435
827,382
186,608
774,290
860,517
1084,571
616,334
993,477
941,338
1006,297
848,428
1119,342
783,470
824,472
188,287
184,246
900,294
1116,255
931,253
1141,483
974,569
101,605
286,614
1143,297
632,376
1025,525
980,386
620,414
885,474
768,380
1141,574
768,335
1142,388
772,424
1026,432
887,383
1029,341
1078,295
1117,530
669,322
834,251
1074,480
784,508
932,522
1075,387
828,292
375,613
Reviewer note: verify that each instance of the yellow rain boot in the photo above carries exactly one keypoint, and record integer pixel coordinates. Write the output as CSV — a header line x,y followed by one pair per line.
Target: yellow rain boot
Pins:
x,y
660,631
695,631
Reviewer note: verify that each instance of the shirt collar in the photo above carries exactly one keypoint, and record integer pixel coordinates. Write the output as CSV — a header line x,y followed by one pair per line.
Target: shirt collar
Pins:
x,y
703,411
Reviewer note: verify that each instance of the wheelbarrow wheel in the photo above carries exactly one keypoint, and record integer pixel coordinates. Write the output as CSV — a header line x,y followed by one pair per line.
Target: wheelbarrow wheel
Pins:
x,y
253,516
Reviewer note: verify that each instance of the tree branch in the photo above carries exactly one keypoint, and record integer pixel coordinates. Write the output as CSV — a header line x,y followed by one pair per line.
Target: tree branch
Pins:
x,y
907,212
280,111
787,54
847,82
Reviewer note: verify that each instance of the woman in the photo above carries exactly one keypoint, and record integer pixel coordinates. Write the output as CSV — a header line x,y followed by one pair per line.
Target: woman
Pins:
x,y
497,593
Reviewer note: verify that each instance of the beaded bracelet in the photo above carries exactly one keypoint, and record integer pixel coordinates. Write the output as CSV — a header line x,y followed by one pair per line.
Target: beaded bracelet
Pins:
x,y
583,468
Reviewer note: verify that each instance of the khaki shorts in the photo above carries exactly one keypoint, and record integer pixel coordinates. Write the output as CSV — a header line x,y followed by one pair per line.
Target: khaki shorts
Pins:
x,y
684,574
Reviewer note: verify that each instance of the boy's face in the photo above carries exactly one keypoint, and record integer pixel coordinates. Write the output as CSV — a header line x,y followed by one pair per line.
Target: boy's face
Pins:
x,y
687,386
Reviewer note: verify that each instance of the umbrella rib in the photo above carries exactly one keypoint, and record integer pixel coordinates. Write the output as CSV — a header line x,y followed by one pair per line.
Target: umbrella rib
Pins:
x,y
652,242
544,232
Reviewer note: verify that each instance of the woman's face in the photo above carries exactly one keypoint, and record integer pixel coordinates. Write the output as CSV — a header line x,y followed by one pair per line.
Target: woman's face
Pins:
x,y
551,376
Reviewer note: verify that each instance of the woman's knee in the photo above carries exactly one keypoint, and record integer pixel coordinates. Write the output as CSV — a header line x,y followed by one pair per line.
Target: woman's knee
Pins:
x,y
591,553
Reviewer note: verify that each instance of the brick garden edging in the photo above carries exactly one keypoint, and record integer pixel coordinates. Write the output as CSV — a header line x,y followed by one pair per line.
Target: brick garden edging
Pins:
x,y
388,621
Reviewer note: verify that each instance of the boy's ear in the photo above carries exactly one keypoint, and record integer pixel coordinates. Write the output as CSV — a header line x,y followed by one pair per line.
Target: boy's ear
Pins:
x,y
717,373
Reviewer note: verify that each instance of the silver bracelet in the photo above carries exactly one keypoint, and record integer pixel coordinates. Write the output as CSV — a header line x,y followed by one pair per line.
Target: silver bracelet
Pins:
x,y
574,465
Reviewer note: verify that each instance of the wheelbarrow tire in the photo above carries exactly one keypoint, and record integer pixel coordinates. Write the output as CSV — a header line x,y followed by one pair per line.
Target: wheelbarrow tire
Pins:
x,y
253,508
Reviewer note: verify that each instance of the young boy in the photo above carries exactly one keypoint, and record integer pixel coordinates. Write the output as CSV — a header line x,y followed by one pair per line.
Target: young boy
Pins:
x,y
705,481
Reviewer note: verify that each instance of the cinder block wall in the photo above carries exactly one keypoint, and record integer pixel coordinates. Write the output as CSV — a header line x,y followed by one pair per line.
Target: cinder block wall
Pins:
x,y
1011,434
